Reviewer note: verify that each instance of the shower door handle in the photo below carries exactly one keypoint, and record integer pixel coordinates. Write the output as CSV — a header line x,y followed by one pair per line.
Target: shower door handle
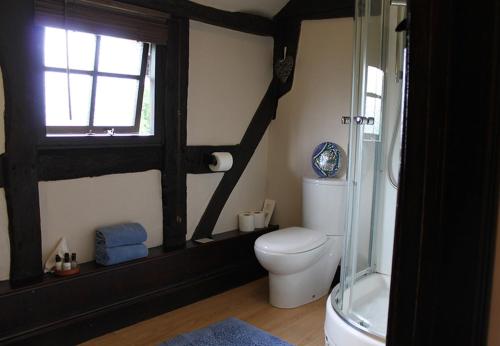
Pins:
x,y
359,120
365,120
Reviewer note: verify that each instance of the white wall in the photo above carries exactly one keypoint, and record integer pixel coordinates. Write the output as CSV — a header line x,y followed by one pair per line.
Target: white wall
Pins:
x,y
4,222
76,208
311,112
266,8
229,73
250,191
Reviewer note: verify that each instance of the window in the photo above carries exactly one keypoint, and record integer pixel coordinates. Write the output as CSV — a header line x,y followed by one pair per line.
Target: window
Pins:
x,y
373,102
97,84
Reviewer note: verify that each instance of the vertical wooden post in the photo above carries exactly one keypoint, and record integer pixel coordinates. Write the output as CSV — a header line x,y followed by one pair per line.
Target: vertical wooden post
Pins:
x,y
174,171
448,191
20,57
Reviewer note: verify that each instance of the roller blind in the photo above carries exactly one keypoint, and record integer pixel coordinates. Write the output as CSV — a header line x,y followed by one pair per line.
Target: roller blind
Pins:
x,y
105,17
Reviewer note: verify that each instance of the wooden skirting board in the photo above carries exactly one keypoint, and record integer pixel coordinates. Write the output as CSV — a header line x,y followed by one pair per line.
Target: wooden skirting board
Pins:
x,y
62,311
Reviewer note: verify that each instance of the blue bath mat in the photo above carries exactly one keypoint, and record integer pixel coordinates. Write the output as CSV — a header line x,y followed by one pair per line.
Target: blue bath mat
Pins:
x,y
230,332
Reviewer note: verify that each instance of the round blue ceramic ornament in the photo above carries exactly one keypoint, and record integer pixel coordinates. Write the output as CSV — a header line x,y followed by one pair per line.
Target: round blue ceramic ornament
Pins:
x,y
326,160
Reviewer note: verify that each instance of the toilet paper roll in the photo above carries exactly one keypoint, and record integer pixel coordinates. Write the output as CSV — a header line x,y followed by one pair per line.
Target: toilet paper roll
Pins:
x,y
259,219
246,222
222,162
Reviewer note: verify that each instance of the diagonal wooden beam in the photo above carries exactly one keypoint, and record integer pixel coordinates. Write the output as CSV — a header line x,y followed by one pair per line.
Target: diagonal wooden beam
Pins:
x,y
288,25
287,34
286,37
238,21
316,9
251,139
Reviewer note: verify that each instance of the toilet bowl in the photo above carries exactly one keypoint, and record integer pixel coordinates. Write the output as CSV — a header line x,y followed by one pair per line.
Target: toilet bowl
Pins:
x,y
302,273
302,261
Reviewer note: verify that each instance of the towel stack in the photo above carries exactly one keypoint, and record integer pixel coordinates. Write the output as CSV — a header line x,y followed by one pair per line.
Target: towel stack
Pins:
x,y
121,243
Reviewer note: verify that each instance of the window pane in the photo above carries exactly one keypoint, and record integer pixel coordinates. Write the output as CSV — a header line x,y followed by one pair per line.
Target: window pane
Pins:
x,y
81,49
116,100
373,109
118,55
147,117
375,81
57,103
148,101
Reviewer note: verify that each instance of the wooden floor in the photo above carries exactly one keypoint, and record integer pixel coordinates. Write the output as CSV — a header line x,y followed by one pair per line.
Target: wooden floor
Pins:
x,y
301,326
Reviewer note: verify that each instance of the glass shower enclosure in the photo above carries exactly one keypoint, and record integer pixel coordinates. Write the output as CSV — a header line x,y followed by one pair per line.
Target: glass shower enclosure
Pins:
x,y
362,297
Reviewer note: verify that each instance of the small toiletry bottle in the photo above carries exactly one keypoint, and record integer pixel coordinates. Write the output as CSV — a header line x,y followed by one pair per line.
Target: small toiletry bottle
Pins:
x,y
73,261
58,263
67,263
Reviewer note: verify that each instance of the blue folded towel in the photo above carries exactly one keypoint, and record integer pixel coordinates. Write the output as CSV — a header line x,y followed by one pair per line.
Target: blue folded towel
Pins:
x,y
113,255
120,235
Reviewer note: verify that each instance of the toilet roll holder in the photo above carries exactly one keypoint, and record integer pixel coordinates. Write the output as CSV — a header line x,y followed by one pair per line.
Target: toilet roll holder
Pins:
x,y
210,159
219,161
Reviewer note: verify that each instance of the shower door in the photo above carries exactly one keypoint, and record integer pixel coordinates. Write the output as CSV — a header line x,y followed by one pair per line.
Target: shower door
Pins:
x,y
362,298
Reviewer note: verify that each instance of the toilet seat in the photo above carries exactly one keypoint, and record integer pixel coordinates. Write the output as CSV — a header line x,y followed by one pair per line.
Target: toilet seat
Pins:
x,y
292,240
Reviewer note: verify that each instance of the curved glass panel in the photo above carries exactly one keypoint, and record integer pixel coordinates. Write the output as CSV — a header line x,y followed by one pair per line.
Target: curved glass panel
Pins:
x,y
362,298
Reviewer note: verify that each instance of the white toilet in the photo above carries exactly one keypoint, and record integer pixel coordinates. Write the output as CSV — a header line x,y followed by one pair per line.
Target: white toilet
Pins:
x,y
302,260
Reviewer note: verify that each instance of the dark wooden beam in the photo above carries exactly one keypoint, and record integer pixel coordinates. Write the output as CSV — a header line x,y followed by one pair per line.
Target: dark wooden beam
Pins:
x,y
68,311
448,195
2,173
238,21
97,142
288,25
287,36
197,157
174,172
21,52
251,139
60,164
316,9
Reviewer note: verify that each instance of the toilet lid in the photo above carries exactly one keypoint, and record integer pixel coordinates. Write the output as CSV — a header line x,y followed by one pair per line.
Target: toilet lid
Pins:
x,y
291,240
